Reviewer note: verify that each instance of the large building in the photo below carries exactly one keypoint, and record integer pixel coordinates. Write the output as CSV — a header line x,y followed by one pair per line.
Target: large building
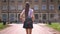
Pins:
x,y
44,10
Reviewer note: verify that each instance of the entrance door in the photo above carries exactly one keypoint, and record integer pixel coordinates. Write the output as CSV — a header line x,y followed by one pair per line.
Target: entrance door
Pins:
x,y
36,18
44,18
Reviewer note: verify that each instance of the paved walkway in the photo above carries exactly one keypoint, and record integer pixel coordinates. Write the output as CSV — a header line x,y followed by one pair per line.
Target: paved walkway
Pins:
x,y
17,29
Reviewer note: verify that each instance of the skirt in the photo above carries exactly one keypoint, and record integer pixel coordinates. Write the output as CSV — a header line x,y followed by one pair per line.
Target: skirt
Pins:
x,y
28,23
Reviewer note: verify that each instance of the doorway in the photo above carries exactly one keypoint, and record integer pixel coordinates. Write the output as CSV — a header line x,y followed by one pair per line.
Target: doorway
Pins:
x,y
44,18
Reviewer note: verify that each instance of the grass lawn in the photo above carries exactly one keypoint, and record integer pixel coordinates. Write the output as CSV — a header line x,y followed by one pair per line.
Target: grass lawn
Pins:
x,y
55,26
2,26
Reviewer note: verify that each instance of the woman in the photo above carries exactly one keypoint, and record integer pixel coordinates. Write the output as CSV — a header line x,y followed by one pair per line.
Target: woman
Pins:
x,y
27,17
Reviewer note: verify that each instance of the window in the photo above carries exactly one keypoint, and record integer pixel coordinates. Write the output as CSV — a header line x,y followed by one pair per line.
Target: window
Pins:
x,y
20,7
12,7
51,15
56,16
0,7
36,0
59,7
4,17
4,7
19,0
44,16
51,7
36,16
19,18
51,0
36,7
58,1
4,0
59,15
11,17
30,0
11,0
43,0
43,7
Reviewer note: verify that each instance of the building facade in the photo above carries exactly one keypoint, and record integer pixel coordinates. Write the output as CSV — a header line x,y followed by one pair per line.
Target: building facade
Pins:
x,y
44,10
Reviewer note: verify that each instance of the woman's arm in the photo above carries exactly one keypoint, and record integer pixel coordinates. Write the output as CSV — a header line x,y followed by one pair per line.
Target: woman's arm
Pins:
x,y
21,15
33,17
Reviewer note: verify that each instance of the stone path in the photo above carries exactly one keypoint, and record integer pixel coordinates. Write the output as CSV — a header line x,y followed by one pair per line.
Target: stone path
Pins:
x,y
17,29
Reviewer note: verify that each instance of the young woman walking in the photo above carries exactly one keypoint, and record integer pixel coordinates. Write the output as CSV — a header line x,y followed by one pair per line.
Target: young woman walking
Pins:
x,y
27,17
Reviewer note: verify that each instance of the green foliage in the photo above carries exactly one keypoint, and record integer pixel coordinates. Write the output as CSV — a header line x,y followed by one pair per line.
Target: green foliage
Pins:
x,y
55,26
2,26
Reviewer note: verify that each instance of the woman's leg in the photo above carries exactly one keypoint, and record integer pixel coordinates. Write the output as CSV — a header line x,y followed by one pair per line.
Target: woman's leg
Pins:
x,y
26,31
30,31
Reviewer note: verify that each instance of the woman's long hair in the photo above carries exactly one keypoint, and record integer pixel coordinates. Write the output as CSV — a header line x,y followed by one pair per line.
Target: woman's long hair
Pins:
x,y
26,9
